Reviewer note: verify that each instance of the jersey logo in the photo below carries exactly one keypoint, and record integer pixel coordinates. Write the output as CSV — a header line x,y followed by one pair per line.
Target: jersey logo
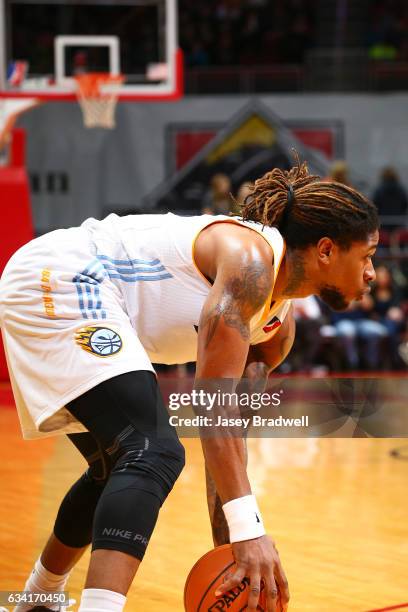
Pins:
x,y
100,341
271,325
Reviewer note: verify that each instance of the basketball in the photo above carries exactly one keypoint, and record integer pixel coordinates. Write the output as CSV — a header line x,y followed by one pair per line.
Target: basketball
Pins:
x,y
208,574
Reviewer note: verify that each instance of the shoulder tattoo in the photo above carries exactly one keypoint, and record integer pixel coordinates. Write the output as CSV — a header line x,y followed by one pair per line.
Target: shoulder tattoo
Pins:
x,y
244,294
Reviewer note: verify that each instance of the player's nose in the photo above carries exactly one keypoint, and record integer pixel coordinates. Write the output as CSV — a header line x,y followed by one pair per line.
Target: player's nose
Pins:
x,y
369,274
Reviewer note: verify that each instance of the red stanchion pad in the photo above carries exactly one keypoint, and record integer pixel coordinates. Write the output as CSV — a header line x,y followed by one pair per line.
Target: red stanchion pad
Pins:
x,y
16,227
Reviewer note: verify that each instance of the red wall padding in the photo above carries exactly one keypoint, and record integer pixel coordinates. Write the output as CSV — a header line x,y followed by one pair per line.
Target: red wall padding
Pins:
x,y
16,227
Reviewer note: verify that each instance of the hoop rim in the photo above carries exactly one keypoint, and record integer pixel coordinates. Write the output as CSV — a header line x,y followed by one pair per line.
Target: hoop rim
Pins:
x,y
89,83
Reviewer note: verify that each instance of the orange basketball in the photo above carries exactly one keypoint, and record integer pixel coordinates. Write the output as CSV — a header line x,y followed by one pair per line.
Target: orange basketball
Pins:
x,y
204,578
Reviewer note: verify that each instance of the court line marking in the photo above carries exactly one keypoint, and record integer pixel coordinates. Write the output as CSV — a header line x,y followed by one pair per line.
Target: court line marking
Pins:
x,y
398,607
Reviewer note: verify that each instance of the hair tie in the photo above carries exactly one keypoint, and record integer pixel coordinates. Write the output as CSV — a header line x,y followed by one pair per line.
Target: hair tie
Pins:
x,y
291,198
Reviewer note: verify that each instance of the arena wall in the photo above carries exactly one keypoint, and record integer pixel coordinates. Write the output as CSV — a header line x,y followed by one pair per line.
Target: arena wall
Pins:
x,y
77,173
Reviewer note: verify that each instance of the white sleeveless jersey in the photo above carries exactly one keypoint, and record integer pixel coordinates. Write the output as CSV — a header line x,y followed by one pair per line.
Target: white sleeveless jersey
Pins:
x,y
150,258
125,289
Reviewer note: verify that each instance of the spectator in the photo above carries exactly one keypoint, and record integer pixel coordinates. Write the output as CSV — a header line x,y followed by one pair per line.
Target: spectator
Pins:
x,y
403,352
383,50
225,51
339,172
298,37
357,329
387,30
244,190
388,312
250,40
308,340
390,197
197,56
219,200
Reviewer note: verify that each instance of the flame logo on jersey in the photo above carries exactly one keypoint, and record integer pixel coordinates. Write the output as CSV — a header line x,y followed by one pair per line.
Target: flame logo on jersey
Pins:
x,y
100,341
271,325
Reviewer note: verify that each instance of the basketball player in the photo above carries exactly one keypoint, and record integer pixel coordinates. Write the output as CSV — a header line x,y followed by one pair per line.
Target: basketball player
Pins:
x,y
84,313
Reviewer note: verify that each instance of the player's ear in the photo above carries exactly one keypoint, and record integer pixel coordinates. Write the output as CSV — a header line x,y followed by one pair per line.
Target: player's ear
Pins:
x,y
325,249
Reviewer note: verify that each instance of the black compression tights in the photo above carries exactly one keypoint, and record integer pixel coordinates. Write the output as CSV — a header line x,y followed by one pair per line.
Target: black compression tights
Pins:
x,y
134,459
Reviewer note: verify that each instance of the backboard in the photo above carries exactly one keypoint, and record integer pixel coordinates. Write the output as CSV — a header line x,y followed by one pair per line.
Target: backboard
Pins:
x,y
58,39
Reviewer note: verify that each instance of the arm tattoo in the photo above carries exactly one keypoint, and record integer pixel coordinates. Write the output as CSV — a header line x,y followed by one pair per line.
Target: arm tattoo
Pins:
x,y
244,294
219,524
258,372
212,320
254,380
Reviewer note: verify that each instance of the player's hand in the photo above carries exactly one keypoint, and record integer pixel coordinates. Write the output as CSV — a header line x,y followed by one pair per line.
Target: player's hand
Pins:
x,y
259,560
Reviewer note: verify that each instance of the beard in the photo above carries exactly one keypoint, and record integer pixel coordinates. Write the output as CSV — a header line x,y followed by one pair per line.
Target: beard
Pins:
x,y
333,297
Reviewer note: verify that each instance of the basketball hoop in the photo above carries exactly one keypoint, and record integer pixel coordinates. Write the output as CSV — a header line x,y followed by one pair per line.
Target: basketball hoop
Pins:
x,y
98,106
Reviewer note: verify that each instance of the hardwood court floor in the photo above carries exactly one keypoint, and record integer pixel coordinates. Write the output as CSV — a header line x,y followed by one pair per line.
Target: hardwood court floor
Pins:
x,y
336,507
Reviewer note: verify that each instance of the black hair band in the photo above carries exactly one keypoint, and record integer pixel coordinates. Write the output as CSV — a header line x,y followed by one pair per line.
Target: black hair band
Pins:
x,y
291,197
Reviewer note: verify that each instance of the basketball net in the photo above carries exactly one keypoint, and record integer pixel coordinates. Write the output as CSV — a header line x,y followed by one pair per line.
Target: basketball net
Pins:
x,y
98,107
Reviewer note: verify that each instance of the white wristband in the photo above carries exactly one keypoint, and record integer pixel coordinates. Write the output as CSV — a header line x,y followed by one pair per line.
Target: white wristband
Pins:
x,y
244,519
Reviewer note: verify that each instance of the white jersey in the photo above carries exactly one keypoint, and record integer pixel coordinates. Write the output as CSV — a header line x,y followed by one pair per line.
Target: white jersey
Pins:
x,y
150,258
126,289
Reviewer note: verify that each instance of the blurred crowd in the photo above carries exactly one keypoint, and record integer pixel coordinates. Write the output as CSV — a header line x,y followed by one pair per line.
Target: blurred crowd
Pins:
x,y
231,32
372,335
387,36
245,32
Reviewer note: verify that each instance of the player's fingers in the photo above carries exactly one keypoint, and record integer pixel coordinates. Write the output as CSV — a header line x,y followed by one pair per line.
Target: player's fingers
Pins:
x,y
271,592
254,592
233,581
226,576
283,586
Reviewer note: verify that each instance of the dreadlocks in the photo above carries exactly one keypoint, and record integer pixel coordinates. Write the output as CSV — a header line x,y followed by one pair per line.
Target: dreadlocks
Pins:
x,y
304,208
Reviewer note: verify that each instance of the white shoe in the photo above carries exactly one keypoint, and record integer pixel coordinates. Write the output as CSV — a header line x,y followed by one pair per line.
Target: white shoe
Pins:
x,y
71,602
66,608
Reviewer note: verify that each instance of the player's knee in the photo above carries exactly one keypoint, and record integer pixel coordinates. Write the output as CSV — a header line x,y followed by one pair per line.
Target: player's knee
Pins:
x,y
159,461
170,458
142,476
178,457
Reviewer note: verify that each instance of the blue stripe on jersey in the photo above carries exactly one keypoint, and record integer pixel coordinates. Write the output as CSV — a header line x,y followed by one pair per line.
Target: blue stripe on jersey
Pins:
x,y
133,270
80,297
89,294
152,270
129,262
87,282
95,270
134,279
94,273
98,305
